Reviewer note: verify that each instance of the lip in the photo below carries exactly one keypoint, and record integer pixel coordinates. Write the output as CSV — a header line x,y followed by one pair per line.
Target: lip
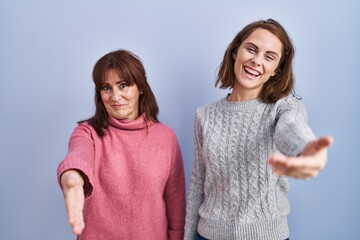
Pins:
x,y
249,71
118,106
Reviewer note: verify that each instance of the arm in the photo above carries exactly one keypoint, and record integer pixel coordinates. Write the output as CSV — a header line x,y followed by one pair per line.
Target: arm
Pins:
x,y
175,195
303,155
196,189
75,174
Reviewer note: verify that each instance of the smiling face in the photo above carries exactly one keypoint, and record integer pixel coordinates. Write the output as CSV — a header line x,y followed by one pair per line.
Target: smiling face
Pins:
x,y
256,61
121,101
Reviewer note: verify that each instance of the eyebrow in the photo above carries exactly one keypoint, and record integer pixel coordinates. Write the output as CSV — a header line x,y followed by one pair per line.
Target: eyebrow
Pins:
x,y
254,45
121,81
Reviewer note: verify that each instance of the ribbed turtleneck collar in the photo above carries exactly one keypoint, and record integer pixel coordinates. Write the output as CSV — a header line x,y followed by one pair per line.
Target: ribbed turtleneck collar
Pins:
x,y
250,104
127,124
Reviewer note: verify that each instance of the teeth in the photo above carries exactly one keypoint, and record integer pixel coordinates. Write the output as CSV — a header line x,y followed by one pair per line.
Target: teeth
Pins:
x,y
254,72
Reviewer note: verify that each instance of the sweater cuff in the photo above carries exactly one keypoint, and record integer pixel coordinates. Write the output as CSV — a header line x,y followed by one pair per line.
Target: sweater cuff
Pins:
x,y
83,168
175,235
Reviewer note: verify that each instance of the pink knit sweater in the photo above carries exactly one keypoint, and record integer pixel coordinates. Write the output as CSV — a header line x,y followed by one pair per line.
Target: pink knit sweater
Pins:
x,y
135,186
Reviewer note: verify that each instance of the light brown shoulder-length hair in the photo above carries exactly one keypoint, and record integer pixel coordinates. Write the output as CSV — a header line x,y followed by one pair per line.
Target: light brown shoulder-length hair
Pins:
x,y
279,85
130,68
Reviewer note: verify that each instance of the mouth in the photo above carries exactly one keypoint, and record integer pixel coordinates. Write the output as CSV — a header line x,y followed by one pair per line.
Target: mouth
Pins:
x,y
252,72
118,106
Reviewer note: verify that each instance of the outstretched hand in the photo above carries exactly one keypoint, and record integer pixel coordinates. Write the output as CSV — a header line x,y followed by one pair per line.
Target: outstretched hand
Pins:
x,y
72,184
308,164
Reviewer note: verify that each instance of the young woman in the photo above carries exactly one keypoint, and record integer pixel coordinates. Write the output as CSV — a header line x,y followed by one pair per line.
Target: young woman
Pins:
x,y
234,193
123,176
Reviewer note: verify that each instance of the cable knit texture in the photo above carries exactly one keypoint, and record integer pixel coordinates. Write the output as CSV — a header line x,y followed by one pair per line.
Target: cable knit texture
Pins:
x,y
135,184
233,193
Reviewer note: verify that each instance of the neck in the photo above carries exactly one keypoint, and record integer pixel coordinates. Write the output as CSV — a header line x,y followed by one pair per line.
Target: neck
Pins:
x,y
129,124
238,97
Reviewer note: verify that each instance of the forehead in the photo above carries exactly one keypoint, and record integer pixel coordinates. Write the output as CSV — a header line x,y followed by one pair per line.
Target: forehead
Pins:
x,y
265,40
111,76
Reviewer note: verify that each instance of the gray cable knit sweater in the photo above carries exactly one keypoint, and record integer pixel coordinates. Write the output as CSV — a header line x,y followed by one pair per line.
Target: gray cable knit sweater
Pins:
x,y
233,193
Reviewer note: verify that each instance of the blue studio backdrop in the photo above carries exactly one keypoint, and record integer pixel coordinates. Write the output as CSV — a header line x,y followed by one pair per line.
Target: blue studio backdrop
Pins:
x,y
47,52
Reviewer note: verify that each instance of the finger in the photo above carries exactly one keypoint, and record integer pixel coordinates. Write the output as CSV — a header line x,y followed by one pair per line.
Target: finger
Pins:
x,y
304,174
70,209
325,142
308,162
303,168
74,200
79,211
79,226
284,162
278,171
277,159
78,223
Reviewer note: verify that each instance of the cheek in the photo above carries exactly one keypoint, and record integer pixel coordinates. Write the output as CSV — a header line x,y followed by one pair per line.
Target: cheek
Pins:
x,y
105,98
237,66
270,70
135,101
134,97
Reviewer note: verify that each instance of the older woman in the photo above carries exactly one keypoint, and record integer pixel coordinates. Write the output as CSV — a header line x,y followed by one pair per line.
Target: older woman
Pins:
x,y
123,176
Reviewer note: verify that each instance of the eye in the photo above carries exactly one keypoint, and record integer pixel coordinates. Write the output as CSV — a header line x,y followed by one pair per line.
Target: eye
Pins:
x,y
251,49
270,57
106,88
123,85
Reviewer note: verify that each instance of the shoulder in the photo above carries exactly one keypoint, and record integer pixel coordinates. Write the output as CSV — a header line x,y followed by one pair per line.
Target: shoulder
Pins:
x,y
84,126
290,105
211,105
289,101
84,129
164,130
164,137
203,110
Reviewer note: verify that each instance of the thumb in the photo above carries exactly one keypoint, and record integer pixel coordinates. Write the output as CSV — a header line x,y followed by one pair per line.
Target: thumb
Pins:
x,y
71,179
324,142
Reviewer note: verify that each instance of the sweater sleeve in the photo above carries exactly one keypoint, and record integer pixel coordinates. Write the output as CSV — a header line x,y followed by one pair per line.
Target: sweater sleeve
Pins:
x,y
292,132
175,194
196,189
80,157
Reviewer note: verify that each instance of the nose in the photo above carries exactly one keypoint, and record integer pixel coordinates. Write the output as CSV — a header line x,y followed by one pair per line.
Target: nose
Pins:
x,y
255,61
115,95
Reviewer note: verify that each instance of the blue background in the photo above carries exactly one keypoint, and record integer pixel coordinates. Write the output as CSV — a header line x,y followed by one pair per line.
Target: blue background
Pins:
x,y
47,52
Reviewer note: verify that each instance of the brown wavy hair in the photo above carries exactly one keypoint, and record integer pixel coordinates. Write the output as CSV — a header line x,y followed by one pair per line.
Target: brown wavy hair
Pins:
x,y
130,68
279,85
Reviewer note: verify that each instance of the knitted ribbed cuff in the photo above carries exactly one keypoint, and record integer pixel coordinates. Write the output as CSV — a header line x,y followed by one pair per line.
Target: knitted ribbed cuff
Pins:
x,y
266,230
